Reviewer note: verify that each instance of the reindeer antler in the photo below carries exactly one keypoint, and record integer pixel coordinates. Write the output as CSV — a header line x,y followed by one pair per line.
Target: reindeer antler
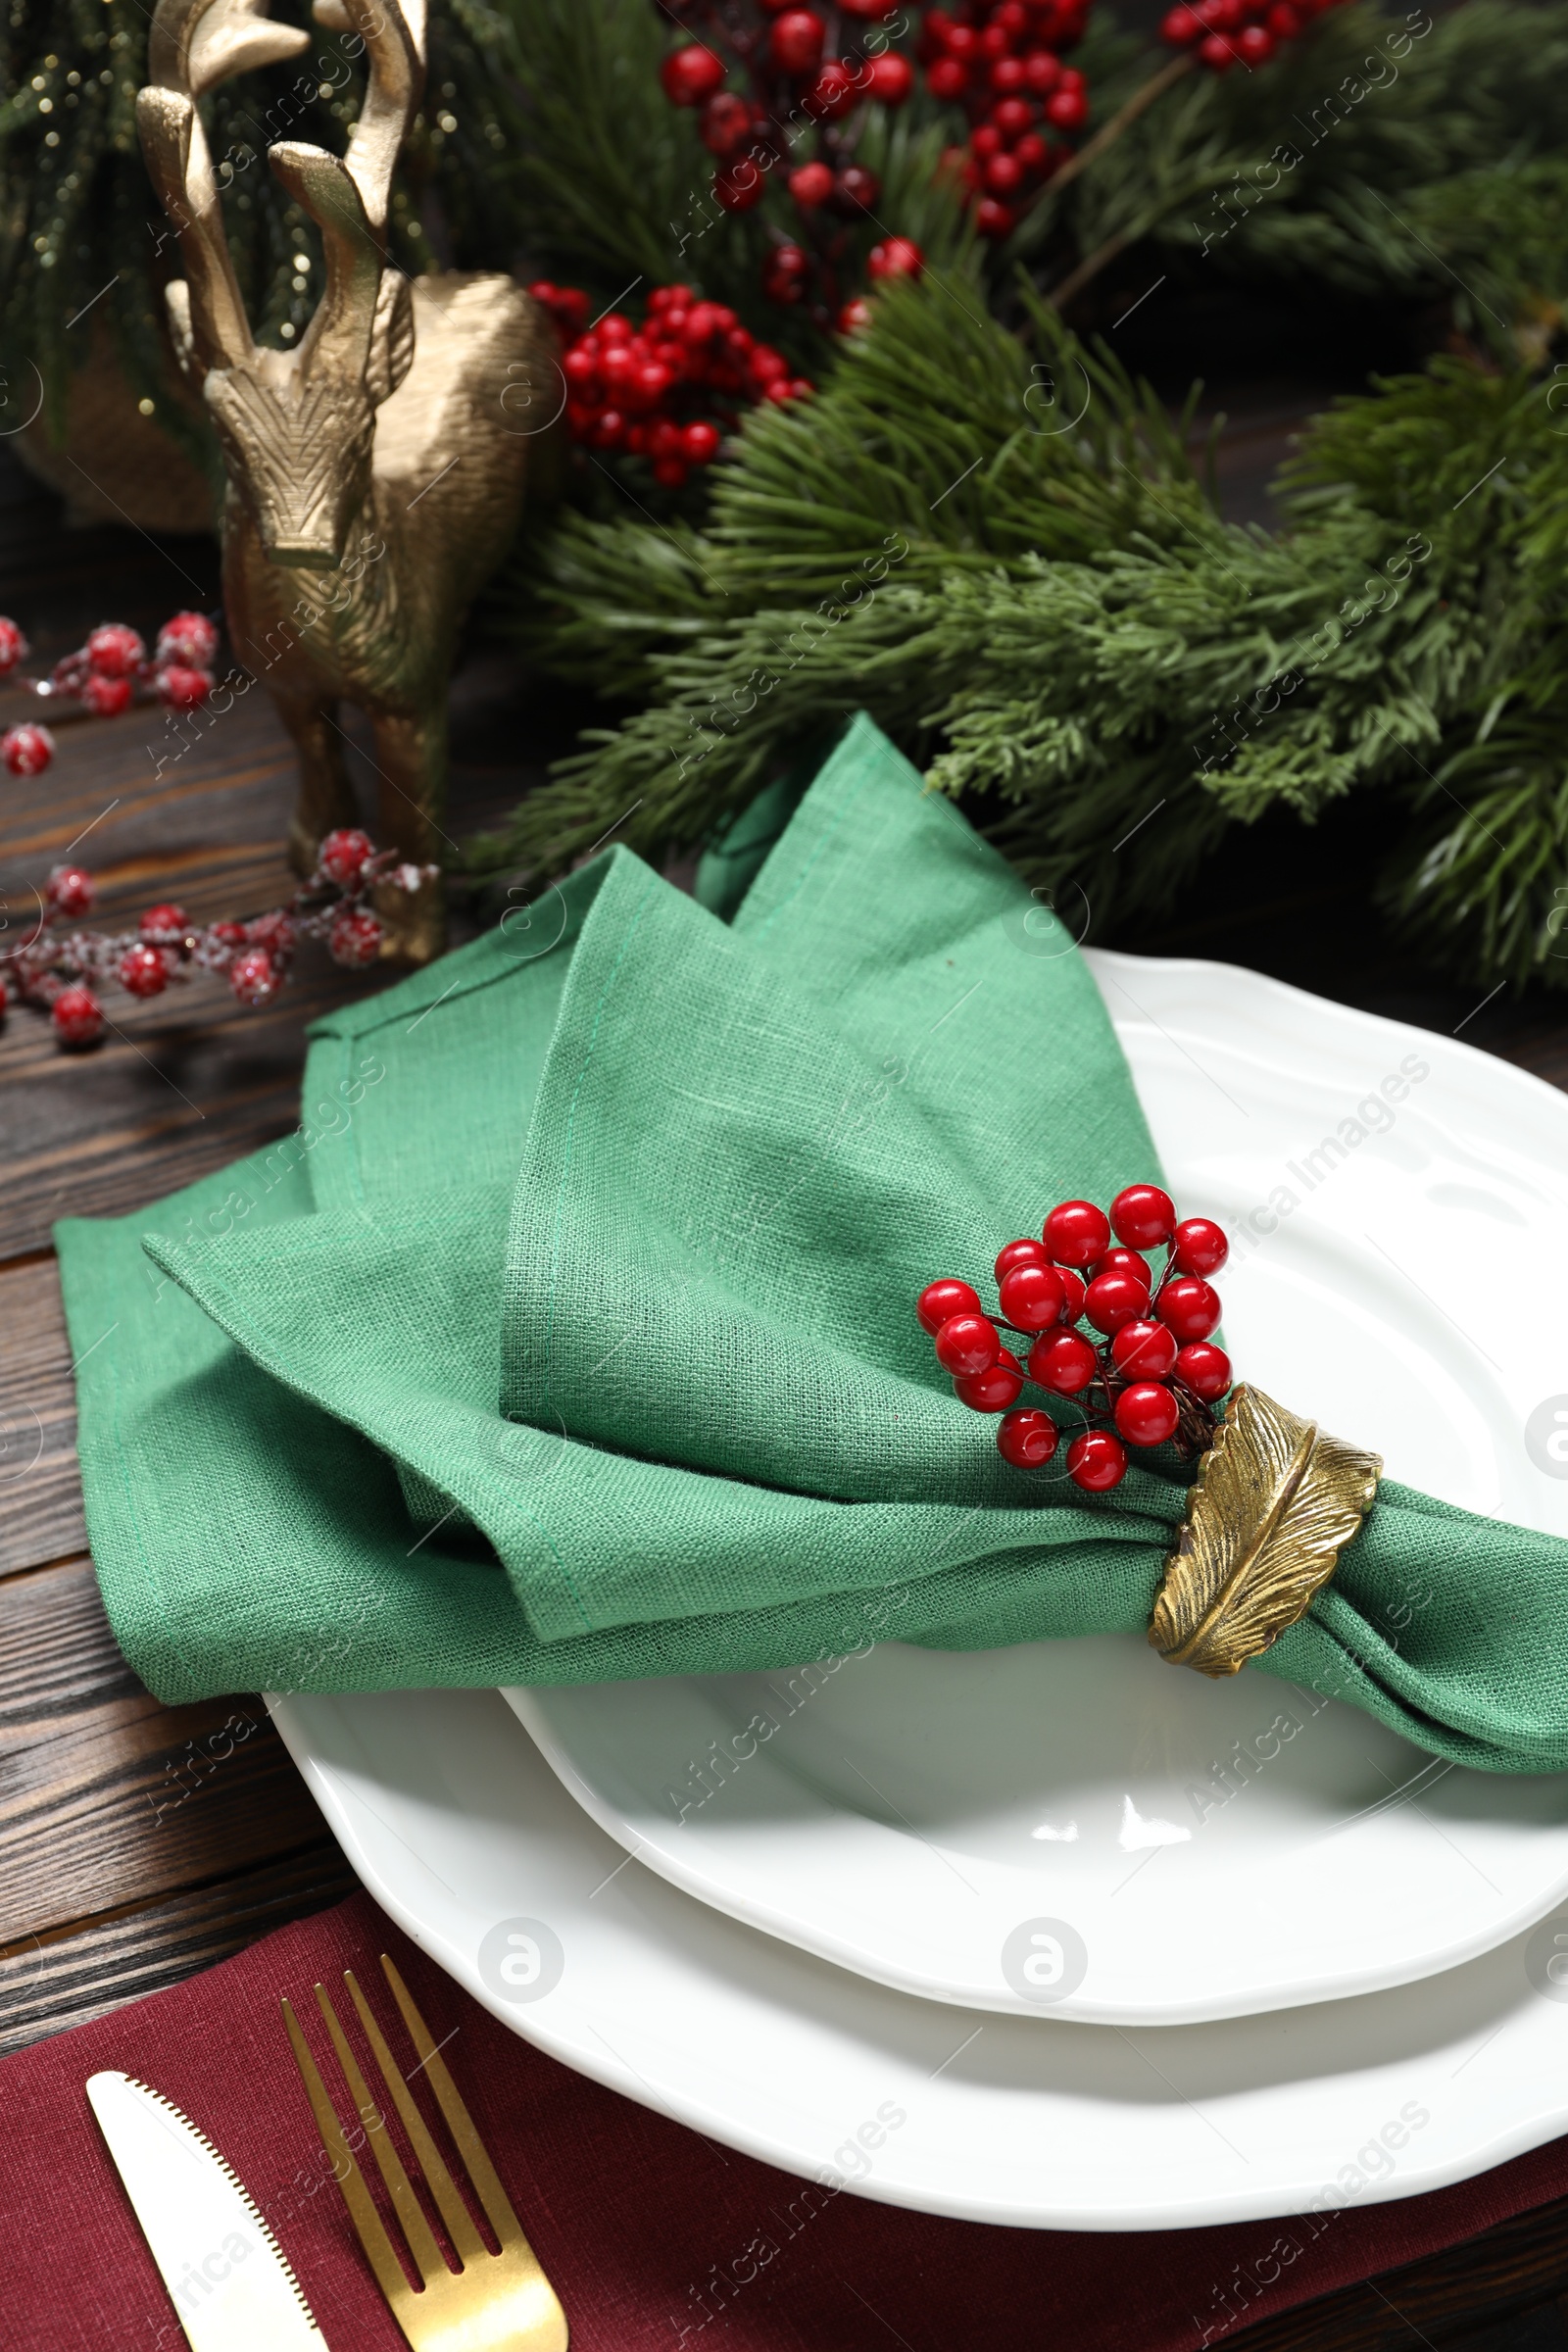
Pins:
x,y
394,44
193,44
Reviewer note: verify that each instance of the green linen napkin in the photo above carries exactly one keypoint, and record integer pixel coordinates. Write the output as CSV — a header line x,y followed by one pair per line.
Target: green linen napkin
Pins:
x,y
572,1337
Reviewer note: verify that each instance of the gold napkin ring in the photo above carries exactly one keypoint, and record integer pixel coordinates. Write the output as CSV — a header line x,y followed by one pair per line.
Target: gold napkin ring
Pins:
x,y
1277,1501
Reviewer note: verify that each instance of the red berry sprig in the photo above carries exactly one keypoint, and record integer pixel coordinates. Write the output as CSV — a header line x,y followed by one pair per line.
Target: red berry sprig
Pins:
x,y
104,676
1001,61
669,390
783,57
64,973
1149,1375
1221,33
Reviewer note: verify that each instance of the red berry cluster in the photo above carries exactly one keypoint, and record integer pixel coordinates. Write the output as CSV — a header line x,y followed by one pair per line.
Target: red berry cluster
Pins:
x,y
639,389
53,970
1001,60
1223,34
104,676
781,51
1152,1376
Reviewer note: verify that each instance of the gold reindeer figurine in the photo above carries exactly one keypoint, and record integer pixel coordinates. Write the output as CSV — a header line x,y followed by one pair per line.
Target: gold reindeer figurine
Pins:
x,y
378,456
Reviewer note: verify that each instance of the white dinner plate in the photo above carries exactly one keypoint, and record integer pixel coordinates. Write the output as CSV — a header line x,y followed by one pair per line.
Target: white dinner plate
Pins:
x,y
933,1819
463,1834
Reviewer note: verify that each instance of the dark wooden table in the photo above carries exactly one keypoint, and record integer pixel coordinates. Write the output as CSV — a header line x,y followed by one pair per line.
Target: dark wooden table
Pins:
x,y
111,1890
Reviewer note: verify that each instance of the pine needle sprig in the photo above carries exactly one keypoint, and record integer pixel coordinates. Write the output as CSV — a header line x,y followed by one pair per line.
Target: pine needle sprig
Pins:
x,y
1073,641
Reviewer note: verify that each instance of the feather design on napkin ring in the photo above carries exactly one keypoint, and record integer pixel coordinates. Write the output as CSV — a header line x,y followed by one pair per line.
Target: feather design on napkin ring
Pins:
x,y
1277,1501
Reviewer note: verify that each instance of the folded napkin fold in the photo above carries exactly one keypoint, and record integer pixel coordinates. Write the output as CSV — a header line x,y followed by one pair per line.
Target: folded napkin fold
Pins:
x,y
572,1337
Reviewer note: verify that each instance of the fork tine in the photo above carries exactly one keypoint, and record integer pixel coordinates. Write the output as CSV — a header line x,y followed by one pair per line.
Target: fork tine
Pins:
x,y
428,2259
469,2146
367,2228
459,2220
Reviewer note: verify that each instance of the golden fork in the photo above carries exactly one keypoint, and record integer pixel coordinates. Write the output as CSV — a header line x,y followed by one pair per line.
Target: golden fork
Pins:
x,y
495,2302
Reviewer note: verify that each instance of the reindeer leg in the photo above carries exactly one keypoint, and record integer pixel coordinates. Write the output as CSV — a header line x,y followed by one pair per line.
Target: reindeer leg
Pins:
x,y
410,753
325,797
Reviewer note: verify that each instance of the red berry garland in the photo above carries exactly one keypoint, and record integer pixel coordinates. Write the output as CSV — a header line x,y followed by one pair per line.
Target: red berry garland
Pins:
x,y
791,90
633,390
1001,61
1221,33
1154,1379
60,972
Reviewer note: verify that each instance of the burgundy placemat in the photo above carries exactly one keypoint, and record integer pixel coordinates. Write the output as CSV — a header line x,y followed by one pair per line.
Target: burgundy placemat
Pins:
x,y
654,2238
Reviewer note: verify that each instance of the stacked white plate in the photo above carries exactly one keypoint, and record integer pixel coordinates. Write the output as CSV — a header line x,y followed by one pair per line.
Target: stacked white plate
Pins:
x,y
1056,1936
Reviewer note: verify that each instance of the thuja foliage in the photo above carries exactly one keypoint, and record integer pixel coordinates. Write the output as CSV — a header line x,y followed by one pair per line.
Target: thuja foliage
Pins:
x,y
999,545
81,236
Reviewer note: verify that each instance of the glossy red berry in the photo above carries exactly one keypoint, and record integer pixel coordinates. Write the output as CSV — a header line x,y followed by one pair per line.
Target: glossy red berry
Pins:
x,y
106,697
995,1389
1146,1413
888,78
1125,1261
78,1017
1205,1368
1144,1350
794,40
189,638
966,1344
895,256
1032,1297
1027,1439
165,923
71,889
115,649
1096,1460
856,189
1042,72
1067,110
1201,1247
1077,1233
1181,26
944,1298
183,689
342,855
726,123
1019,1254
1142,1216
354,937
26,750
1187,1306
810,184
994,219
1076,1289
832,93
143,971
740,185
699,443
946,79
1112,1300
1216,53
13,647
691,74
1063,1362
1255,45
253,977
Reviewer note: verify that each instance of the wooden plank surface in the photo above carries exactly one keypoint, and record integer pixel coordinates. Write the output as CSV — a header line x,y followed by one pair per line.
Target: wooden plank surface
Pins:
x,y
139,1842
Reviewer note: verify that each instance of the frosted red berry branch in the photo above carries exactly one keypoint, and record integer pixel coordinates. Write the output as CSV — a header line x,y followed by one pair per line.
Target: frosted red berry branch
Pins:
x,y
104,676
64,972
1148,1377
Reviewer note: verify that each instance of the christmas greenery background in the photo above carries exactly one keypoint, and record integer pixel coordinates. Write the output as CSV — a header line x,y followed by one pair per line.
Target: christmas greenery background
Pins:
x,y
978,527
